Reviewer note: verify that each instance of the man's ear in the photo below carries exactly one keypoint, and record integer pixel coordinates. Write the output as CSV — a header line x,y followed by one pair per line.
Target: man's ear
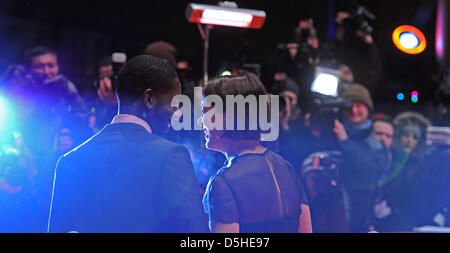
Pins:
x,y
148,101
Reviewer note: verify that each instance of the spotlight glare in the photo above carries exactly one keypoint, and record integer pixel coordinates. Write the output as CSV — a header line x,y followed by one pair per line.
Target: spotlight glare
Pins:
x,y
414,97
409,40
3,113
219,17
226,73
226,16
400,96
325,84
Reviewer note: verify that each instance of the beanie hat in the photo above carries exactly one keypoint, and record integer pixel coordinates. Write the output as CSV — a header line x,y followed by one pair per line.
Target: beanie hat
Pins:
x,y
357,92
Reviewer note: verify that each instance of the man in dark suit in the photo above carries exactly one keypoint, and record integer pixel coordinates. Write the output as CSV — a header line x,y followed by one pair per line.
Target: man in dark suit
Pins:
x,y
126,178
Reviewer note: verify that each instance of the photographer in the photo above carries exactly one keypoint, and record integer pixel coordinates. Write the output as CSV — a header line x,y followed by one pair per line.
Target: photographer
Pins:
x,y
291,124
24,153
46,100
355,47
19,191
370,171
329,200
51,115
104,101
105,89
336,119
356,123
298,59
365,155
56,90
60,104
343,125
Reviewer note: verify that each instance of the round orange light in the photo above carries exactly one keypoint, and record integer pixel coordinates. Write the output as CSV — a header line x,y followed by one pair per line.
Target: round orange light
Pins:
x,y
422,44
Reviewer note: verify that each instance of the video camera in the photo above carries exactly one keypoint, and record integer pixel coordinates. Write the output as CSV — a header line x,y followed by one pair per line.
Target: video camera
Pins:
x,y
326,161
326,110
360,19
322,168
305,34
117,61
327,106
20,76
302,48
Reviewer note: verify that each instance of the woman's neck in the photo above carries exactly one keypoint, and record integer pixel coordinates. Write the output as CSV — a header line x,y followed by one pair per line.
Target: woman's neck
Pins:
x,y
237,148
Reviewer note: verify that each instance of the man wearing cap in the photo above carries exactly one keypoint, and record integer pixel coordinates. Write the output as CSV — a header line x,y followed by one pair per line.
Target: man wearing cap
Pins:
x,y
357,123
365,157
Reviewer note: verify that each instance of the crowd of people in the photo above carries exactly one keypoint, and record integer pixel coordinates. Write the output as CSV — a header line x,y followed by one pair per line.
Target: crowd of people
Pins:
x,y
338,165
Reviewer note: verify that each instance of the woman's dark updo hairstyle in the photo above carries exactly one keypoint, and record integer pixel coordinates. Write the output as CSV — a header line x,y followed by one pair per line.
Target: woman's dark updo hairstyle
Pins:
x,y
244,84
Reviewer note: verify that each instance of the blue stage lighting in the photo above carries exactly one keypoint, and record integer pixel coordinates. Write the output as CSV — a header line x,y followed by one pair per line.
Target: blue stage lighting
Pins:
x,y
7,118
400,96
3,113
414,97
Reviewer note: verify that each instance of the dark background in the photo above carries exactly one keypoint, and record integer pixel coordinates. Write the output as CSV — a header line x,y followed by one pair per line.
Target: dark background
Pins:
x,y
85,31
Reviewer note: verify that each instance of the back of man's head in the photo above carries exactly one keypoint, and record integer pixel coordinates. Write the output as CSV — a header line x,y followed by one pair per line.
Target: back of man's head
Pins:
x,y
144,72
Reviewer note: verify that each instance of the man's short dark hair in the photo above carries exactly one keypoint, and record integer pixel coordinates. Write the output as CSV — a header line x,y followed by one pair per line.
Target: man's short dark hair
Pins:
x,y
144,72
39,50
106,61
383,118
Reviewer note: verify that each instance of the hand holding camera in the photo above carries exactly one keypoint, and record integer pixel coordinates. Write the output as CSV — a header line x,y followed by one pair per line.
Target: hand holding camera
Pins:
x,y
106,85
339,130
106,92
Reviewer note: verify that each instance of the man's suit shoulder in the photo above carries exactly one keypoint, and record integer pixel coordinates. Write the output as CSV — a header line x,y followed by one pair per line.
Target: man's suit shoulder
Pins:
x,y
146,140
171,147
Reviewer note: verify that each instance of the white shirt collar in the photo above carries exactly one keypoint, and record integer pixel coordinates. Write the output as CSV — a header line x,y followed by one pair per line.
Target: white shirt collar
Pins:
x,y
129,118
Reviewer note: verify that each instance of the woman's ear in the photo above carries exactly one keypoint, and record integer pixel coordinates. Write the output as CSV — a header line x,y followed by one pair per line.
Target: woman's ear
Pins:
x,y
148,98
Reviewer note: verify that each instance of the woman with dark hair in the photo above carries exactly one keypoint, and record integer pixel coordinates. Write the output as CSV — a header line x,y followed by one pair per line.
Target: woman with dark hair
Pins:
x,y
256,190
413,192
